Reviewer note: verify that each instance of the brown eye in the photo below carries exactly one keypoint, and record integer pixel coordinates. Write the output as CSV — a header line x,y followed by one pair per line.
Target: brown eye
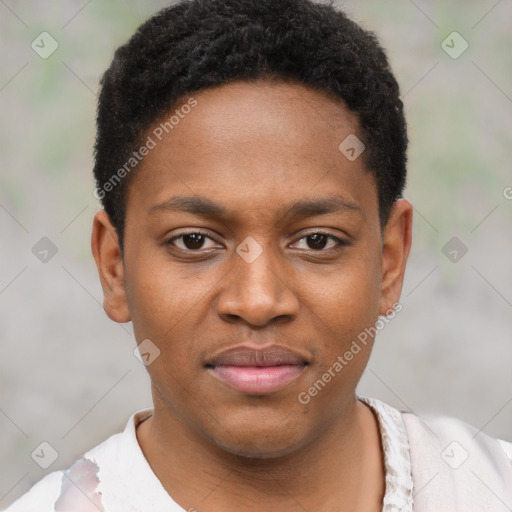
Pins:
x,y
193,241
318,242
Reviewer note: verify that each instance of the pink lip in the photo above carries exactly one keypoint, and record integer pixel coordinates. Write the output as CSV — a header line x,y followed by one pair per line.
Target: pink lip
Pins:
x,y
257,370
258,379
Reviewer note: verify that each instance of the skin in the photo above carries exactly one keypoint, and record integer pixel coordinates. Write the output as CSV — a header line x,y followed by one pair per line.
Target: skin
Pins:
x,y
256,148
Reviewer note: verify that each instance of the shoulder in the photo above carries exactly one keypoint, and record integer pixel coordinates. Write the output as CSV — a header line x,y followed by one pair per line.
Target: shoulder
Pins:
x,y
458,465
460,435
448,464
507,448
41,497
82,475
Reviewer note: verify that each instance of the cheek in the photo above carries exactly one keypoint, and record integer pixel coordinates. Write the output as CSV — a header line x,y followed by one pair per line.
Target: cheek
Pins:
x,y
164,308
346,309
161,297
168,306
347,300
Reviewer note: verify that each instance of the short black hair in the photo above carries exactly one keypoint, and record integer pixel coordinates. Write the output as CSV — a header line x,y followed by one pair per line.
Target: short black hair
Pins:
x,y
199,44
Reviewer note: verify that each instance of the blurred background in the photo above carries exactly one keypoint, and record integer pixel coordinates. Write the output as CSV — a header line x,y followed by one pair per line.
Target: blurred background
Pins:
x,y
68,375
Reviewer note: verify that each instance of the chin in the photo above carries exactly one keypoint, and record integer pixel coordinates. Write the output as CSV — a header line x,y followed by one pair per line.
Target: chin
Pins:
x,y
260,439
265,449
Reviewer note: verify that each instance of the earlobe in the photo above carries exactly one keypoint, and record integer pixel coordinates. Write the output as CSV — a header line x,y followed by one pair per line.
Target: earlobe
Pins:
x,y
396,248
107,255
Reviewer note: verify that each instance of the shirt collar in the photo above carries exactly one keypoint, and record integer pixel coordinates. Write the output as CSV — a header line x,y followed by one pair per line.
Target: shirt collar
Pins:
x,y
398,495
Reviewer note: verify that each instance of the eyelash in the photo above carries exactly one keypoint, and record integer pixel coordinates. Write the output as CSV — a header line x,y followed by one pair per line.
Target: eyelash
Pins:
x,y
340,242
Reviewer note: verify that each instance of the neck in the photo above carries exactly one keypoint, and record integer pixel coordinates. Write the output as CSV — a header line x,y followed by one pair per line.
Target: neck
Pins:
x,y
340,469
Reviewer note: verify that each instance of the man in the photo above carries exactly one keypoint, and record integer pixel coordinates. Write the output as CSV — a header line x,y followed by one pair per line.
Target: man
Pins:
x,y
251,159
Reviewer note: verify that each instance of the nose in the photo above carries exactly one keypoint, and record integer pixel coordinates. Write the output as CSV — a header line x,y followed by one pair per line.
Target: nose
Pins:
x,y
257,292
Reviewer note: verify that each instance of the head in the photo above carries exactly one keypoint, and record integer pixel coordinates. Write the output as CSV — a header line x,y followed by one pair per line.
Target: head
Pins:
x,y
251,159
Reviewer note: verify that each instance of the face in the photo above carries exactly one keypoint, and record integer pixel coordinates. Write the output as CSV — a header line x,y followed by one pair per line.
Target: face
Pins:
x,y
255,286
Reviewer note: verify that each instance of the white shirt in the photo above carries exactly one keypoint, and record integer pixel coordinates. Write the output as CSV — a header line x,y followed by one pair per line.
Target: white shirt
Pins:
x,y
440,465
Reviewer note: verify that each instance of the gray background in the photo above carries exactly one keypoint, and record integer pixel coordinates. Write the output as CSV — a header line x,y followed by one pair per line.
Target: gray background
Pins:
x,y
67,373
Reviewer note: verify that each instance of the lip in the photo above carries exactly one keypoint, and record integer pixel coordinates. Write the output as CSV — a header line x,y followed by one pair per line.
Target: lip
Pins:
x,y
257,370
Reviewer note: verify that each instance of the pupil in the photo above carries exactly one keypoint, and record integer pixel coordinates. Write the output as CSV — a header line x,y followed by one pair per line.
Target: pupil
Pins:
x,y
193,241
317,240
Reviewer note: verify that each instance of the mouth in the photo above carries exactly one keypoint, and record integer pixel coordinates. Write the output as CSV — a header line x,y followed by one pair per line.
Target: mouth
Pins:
x,y
257,371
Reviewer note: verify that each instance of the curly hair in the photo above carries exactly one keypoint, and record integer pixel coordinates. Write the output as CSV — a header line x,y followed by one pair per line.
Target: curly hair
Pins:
x,y
199,44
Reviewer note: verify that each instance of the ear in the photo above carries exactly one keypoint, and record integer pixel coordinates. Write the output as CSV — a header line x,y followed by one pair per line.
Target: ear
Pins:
x,y
397,240
107,254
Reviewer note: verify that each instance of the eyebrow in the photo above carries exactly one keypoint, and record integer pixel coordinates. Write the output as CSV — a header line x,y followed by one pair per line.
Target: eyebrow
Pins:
x,y
207,208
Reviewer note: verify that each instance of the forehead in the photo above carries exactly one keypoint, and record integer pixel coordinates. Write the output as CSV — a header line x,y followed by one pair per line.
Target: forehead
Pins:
x,y
253,146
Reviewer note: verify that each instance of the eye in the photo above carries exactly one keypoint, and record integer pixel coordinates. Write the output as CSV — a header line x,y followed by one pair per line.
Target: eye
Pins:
x,y
192,241
318,241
